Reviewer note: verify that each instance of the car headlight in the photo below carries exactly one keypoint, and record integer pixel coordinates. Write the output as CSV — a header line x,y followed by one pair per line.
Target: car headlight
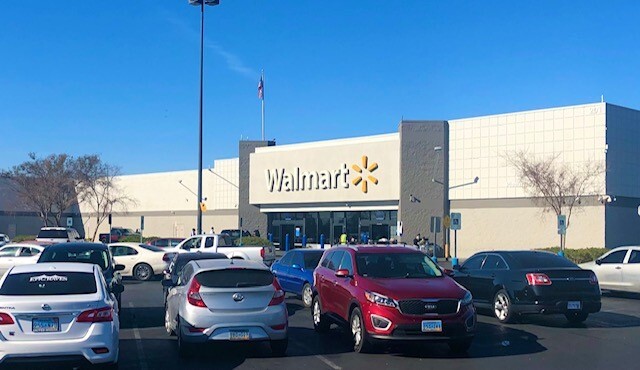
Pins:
x,y
467,299
380,299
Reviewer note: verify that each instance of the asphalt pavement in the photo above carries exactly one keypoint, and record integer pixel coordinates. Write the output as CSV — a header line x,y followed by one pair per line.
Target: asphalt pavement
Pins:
x,y
608,340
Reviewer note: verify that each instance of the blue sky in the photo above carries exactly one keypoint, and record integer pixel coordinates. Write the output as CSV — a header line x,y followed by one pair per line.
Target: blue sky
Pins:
x,y
120,78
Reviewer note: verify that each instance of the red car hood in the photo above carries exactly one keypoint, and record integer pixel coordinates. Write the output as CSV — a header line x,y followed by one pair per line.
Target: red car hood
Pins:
x,y
399,289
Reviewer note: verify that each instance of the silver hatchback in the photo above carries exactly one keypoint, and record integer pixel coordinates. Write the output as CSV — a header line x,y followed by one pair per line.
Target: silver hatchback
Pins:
x,y
226,300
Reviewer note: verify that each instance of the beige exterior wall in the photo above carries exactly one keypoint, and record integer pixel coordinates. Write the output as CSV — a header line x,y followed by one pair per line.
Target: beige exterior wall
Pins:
x,y
168,202
504,227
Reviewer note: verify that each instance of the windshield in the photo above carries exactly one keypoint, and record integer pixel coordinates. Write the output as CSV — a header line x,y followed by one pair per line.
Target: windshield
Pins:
x,y
235,278
53,234
99,257
152,248
45,283
541,260
396,265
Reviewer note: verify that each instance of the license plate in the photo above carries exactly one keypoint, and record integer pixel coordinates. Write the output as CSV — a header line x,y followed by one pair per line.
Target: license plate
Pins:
x,y
574,305
239,335
45,325
431,326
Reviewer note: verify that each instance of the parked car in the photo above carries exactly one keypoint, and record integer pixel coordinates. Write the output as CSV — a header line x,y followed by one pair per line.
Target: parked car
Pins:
x,y
18,254
141,261
390,294
58,235
4,239
618,269
94,253
513,283
221,243
226,300
166,243
179,261
295,272
54,311
117,234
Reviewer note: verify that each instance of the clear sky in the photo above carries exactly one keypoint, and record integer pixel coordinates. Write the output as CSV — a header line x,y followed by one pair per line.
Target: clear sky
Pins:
x,y
120,78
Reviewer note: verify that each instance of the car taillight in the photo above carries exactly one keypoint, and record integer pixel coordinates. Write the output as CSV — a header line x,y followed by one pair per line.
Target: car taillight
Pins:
x,y
278,295
594,279
167,257
104,314
262,253
6,319
193,295
538,279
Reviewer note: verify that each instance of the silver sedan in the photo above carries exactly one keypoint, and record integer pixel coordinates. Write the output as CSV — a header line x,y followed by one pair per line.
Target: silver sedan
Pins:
x,y
226,300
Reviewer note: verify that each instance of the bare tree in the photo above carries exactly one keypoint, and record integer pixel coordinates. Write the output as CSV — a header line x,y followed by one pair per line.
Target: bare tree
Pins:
x,y
557,187
100,192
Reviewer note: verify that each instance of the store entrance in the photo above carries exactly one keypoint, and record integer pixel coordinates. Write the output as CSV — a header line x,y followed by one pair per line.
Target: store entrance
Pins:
x,y
284,230
380,231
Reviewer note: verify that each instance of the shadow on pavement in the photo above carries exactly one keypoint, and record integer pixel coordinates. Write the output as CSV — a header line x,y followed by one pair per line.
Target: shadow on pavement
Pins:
x,y
595,320
626,295
141,317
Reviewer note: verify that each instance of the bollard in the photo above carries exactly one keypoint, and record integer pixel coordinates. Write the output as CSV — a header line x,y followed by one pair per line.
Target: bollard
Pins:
x,y
434,259
321,241
304,241
286,242
561,253
454,261
270,237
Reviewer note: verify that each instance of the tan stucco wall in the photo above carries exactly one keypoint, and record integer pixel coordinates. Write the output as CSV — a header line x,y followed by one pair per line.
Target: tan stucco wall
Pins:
x,y
511,228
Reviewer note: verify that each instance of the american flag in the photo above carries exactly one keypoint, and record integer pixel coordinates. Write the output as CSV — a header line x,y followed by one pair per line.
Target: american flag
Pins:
x,y
261,89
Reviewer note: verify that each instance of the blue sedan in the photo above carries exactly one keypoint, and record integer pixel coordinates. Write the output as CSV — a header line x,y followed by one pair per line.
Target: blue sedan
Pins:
x,y
295,272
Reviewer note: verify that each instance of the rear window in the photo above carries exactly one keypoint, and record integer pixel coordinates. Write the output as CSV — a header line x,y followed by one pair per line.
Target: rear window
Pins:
x,y
95,256
181,262
235,278
541,260
152,248
49,283
53,234
311,259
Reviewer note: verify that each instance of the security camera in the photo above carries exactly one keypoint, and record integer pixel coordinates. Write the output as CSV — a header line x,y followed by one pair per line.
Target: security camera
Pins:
x,y
476,179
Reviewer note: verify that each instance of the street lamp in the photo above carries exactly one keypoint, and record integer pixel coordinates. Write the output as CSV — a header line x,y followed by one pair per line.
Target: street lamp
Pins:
x,y
201,4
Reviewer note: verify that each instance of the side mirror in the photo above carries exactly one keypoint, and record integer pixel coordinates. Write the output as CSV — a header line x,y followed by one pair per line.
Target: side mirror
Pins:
x,y
117,288
598,262
167,283
343,273
118,268
296,266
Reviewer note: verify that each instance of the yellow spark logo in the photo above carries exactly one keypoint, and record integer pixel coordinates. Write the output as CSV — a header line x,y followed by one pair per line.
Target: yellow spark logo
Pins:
x,y
361,179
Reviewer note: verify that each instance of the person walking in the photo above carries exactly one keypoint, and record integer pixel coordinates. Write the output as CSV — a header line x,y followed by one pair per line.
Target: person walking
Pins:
x,y
212,230
193,231
343,238
417,240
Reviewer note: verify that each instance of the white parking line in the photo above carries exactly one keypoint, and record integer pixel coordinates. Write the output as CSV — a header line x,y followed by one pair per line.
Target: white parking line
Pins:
x,y
136,333
328,362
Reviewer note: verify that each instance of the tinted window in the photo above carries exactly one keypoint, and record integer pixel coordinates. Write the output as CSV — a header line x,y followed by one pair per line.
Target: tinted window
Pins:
x,y
326,259
174,242
396,265
152,248
336,258
49,283
99,257
235,278
225,241
191,243
161,243
121,250
474,262
311,259
287,259
208,242
493,262
26,252
181,261
53,234
615,257
347,263
297,259
635,257
541,260
9,251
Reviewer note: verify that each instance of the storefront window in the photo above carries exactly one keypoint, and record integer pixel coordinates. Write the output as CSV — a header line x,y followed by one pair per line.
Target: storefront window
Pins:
x,y
324,226
311,227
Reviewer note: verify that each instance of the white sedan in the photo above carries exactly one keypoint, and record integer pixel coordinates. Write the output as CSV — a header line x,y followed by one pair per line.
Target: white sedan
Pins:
x,y
58,311
18,254
142,261
618,269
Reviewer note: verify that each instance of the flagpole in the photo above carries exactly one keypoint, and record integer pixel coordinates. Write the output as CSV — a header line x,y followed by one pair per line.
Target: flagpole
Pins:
x,y
262,105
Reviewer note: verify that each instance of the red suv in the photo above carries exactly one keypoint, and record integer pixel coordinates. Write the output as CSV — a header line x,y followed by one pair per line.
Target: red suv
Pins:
x,y
390,294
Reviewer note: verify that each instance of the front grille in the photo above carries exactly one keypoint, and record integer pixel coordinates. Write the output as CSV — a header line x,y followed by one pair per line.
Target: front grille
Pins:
x,y
429,307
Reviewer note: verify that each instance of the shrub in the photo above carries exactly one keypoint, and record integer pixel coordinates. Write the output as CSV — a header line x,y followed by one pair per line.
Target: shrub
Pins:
x,y
578,256
21,238
252,240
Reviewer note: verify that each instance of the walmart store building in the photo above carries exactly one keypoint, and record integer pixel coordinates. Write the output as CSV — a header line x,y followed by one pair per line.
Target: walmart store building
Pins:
x,y
384,185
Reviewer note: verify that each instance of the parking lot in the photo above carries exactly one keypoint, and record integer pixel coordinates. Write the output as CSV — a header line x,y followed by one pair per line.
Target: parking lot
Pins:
x,y
608,340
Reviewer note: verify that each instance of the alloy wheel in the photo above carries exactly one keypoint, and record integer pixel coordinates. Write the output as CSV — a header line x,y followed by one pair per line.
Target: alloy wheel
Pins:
x,y
307,295
143,272
316,312
356,330
501,306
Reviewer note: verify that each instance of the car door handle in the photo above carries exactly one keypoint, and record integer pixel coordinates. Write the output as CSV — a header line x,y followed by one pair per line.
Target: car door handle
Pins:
x,y
618,268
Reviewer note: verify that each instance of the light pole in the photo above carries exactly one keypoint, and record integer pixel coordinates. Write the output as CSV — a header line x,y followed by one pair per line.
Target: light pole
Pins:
x,y
201,4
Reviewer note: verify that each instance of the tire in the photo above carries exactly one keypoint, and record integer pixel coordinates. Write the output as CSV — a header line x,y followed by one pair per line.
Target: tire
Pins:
x,y
460,345
320,322
307,295
279,347
576,317
361,341
110,366
167,323
119,299
502,307
142,272
185,350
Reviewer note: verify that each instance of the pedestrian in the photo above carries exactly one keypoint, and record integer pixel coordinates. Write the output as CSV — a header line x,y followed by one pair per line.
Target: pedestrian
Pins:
x,y
193,231
343,238
212,230
417,240
256,233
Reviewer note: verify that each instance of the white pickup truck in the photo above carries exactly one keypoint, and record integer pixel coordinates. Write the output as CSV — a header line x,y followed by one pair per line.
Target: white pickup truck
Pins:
x,y
221,243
